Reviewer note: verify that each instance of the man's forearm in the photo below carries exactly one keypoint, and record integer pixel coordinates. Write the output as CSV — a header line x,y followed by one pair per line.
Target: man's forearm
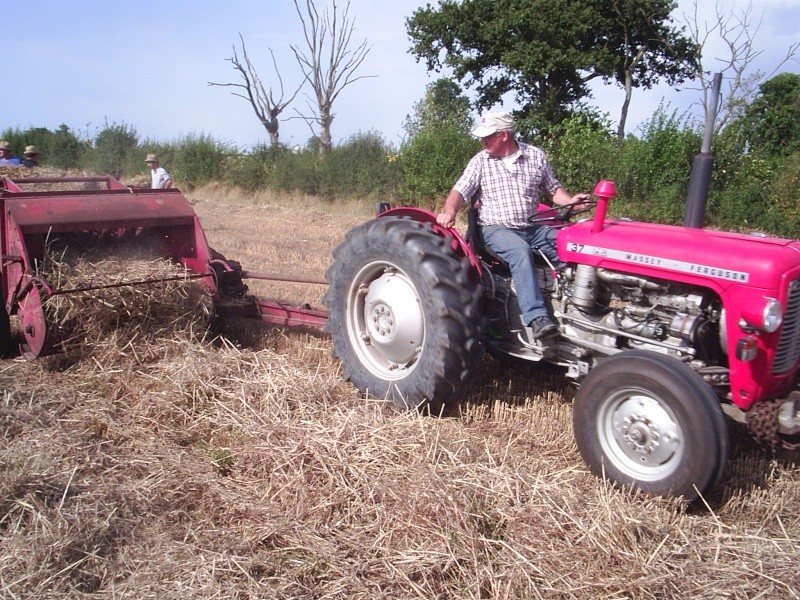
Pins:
x,y
562,197
453,203
447,218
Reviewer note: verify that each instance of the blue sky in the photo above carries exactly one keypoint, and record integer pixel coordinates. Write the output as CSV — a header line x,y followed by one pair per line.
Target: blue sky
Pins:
x,y
87,63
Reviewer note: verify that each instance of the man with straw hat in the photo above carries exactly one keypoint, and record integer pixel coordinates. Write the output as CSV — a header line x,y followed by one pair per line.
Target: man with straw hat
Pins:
x,y
31,156
7,156
159,177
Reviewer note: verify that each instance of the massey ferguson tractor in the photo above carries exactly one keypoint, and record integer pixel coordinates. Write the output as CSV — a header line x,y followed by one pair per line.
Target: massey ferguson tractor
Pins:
x,y
666,330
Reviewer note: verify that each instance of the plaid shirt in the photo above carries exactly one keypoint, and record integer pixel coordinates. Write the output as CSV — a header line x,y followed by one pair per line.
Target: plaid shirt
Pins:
x,y
507,195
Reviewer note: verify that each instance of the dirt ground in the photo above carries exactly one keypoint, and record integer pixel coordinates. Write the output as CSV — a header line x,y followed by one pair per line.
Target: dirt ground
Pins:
x,y
171,466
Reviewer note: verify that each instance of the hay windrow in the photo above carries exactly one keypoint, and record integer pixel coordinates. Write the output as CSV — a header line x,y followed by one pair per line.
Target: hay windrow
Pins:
x,y
123,291
19,174
177,468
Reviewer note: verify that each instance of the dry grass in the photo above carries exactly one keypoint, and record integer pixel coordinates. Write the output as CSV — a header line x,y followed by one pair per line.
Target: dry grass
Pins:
x,y
170,467
104,305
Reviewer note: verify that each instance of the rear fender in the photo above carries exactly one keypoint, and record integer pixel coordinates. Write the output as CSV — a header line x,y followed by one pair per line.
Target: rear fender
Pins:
x,y
457,242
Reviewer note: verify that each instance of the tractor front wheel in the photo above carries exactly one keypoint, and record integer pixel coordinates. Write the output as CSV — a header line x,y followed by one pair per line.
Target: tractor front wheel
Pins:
x,y
403,313
649,421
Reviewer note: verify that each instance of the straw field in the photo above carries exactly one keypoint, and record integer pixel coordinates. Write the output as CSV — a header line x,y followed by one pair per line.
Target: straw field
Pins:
x,y
163,464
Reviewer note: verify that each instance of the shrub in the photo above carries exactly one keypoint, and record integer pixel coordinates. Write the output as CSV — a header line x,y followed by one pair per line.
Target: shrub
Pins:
x,y
300,172
248,171
364,166
784,208
584,154
653,171
114,150
64,150
743,203
16,138
60,148
198,159
434,159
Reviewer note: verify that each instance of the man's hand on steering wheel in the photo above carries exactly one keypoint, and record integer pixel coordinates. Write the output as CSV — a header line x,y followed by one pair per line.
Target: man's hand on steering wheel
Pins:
x,y
581,203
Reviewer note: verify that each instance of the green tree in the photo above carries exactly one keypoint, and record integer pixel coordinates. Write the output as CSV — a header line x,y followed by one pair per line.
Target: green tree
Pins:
x,y
439,143
772,121
638,46
444,102
113,146
546,51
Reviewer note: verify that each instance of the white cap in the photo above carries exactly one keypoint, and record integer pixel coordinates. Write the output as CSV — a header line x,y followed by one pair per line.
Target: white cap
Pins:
x,y
494,122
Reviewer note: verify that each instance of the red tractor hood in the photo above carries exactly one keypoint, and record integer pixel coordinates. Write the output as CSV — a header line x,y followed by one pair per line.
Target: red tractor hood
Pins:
x,y
744,270
681,253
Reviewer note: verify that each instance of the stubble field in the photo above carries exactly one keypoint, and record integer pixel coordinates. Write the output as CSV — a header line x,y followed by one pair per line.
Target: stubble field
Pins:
x,y
167,466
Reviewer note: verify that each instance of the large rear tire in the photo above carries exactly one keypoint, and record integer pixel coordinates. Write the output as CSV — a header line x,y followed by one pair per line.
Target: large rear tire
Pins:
x,y
648,421
403,313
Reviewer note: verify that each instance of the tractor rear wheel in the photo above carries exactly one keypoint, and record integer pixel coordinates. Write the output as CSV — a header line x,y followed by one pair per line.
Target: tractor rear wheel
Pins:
x,y
403,313
649,421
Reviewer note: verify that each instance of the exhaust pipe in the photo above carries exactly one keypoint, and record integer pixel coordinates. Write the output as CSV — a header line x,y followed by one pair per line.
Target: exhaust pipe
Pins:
x,y
702,166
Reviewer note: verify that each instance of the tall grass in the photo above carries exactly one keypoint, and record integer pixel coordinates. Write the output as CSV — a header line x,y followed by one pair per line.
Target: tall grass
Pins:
x,y
364,166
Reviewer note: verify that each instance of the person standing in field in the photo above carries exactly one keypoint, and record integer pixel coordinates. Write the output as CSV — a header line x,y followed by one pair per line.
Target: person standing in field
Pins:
x,y
505,180
159,178
31,155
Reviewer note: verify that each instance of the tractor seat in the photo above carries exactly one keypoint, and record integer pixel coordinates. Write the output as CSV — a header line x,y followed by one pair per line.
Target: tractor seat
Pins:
x,y
484,251
480,247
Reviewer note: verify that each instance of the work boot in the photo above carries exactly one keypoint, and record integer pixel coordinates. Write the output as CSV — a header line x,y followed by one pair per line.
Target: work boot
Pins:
x,y
542,328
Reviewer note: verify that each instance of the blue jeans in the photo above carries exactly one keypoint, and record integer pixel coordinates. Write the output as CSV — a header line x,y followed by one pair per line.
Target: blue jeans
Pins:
x,y
515,246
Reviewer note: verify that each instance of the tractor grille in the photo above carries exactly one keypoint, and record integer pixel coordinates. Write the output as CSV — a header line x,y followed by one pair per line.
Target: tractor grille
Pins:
x,y
788,351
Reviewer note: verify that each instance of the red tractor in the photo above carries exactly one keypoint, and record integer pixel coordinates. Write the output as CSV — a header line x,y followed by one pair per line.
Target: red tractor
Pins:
x,y
666,329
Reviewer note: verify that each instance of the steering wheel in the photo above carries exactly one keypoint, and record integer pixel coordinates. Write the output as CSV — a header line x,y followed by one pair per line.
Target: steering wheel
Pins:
x,y
563,213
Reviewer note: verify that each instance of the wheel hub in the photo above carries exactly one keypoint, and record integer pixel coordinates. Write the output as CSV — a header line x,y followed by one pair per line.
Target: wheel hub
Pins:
x,y
641,433
646,437
382,323
387,320
38,338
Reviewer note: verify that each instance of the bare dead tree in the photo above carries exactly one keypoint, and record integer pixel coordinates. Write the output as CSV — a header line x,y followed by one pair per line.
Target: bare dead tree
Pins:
x,y
648,48
266,105
738,32
329,63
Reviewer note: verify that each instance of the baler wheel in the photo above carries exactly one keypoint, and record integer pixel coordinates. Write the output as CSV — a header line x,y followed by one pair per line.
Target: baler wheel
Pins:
x,y
34,325
6,343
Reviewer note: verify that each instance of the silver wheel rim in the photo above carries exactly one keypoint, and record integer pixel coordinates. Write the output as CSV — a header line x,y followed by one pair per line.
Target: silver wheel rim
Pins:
x,y
385,320
640,435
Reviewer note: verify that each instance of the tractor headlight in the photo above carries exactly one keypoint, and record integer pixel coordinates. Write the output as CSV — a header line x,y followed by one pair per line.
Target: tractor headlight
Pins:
x,y
764,316
772,317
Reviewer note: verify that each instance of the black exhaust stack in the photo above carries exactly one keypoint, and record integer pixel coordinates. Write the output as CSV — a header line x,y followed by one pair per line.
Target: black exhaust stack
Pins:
x,y
702,165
